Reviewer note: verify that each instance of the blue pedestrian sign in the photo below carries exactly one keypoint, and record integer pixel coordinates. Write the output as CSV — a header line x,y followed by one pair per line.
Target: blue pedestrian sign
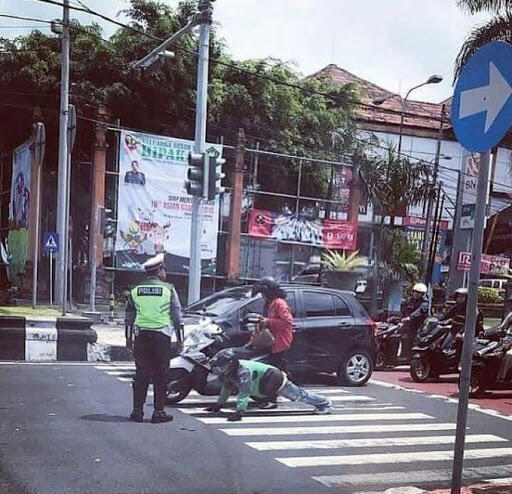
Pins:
x,y
482,103
51,242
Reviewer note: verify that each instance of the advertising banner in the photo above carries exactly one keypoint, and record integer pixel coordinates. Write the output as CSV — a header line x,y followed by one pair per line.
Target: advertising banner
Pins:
x,y
19,209
467,216
493,265
330,234
154,210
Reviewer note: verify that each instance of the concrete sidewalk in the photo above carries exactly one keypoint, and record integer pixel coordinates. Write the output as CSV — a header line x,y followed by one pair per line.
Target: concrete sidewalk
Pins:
x,y
111,344
492,486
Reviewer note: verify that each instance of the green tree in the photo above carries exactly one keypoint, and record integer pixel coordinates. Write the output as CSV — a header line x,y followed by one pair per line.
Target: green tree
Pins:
x,y
499,27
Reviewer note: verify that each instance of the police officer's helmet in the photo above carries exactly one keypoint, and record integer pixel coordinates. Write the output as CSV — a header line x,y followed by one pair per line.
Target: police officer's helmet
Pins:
x,y
461,291
154,264
224,362
265,286
420,288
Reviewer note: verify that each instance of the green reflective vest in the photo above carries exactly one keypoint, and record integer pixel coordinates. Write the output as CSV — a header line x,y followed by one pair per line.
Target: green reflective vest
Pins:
x,y
152,300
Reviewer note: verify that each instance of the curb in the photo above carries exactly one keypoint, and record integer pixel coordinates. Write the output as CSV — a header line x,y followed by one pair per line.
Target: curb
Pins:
x,y
45,339
108,353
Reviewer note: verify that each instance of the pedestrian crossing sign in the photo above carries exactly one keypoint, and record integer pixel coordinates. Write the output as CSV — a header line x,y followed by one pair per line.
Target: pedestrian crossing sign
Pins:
x,y
51,242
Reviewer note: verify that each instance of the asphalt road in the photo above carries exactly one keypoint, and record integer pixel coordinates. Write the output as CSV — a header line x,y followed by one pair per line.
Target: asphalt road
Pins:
x,y
63,428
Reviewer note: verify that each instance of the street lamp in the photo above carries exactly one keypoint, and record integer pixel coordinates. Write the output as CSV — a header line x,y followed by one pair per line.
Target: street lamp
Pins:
x,y
433,79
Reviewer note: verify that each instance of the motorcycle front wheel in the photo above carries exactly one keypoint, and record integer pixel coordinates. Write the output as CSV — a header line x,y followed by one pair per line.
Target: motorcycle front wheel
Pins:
x,y
476,385
380,360
173,397
420,369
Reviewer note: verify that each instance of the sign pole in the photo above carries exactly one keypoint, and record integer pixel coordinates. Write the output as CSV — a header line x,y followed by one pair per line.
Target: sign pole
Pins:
x,y
51,279
471,319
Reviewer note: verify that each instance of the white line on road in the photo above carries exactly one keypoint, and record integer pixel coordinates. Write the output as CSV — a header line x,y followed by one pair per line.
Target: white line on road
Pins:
x,y
294,409
370,443
125,379
323,418
325,391
412,477
329,429
352,398
391,458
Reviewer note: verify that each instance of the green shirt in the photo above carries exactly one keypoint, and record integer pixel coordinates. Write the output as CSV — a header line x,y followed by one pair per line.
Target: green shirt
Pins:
x,y
246,384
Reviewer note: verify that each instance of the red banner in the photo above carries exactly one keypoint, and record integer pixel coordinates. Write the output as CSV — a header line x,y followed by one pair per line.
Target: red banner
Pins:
x,y
330,234
492,265
416,221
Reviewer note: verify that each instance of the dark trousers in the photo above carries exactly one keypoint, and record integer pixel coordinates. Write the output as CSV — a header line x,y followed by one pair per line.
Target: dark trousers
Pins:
x,y
277,360
152,351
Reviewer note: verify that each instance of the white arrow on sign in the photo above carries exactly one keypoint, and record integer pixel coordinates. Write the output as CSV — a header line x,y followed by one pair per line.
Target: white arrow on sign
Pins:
x,y
490,98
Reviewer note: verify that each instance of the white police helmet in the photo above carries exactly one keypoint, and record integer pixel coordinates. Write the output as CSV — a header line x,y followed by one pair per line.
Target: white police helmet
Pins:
x,y
420,288
154,263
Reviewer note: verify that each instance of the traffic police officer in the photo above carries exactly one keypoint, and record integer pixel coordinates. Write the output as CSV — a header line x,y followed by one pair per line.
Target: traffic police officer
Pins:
x,y
153,307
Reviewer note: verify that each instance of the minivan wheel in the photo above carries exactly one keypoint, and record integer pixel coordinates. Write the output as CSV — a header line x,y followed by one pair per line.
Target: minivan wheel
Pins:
x,y
355,369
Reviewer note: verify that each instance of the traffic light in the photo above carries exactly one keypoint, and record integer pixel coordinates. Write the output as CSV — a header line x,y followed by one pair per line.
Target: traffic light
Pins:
x,y
215,175
196,175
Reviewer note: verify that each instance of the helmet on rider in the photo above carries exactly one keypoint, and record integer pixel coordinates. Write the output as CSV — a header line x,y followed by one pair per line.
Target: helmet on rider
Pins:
x,y
461,295
267,286
419,290
224,363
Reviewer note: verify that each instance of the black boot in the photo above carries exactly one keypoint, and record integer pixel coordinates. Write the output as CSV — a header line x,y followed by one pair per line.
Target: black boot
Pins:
x,y
137,415
159,417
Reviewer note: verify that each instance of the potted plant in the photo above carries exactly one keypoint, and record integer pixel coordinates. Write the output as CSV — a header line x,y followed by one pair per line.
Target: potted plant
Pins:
x,y
340,269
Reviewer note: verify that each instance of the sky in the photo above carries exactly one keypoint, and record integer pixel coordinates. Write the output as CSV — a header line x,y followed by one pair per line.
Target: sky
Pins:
x,y
395,44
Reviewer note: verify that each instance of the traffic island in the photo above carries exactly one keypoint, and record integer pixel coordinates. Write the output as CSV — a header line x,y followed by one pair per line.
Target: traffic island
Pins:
x,y
494,486
45,339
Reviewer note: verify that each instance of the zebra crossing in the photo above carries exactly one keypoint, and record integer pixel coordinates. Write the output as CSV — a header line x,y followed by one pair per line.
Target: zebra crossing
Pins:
x,y
366,444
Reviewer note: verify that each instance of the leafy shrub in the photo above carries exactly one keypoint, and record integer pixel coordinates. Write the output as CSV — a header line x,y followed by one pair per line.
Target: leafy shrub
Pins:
x,y
488,295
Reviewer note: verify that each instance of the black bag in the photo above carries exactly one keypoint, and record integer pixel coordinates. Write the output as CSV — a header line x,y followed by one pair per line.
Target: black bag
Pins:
x,y
271,381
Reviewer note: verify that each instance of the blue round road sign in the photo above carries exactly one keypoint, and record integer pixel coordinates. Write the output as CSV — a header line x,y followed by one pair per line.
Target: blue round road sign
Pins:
x,y
482,103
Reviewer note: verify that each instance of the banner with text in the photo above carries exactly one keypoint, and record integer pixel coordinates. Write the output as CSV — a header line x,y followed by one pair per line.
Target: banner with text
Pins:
x,y
154,210
330,234
493,265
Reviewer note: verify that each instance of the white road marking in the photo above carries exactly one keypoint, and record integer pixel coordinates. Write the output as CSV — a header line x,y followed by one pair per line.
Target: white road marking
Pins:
x,y
370,443
352,398
290,409
412,477
392,458
323,418
329,429
325,391
117,373
125,379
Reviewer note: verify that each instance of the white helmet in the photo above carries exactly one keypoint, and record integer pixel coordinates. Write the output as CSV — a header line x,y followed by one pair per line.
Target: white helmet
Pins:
x,y
420,288
461,291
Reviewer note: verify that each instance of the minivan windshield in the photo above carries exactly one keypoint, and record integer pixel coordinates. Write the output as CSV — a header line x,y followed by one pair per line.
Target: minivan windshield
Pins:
x,y
220,303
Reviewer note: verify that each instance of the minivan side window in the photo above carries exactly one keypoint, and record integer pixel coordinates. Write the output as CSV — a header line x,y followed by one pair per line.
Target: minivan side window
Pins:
x,y
318,304
340,307
290,300
256,306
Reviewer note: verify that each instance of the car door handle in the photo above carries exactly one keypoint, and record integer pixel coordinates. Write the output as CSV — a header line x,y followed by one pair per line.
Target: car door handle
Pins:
x,y
343,324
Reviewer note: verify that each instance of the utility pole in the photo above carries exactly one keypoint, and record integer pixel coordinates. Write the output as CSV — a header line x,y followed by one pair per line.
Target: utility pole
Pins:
x,y
194,277
60,271
235,215
426,238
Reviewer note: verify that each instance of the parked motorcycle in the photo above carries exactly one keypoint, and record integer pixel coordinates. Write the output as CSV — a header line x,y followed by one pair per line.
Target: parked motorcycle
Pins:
x,y
491,366
436,351
391,351
191,369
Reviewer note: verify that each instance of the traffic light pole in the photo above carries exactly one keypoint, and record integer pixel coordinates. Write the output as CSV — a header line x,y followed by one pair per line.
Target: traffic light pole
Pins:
x,y
194,276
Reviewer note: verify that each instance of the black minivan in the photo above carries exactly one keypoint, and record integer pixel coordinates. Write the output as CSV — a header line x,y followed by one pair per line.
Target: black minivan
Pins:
x,y
332,331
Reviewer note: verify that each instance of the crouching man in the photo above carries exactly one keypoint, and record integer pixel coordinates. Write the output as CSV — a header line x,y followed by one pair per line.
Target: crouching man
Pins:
x,y
248,378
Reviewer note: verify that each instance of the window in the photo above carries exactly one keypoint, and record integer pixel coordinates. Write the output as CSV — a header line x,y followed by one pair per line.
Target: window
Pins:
x,y
318,304
290,299
340,307
256,306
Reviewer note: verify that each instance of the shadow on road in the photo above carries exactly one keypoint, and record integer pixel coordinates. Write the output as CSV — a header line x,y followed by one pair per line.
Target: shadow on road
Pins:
x,y
103,417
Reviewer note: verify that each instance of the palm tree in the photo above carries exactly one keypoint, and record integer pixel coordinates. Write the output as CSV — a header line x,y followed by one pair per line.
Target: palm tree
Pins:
x,y
499,27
